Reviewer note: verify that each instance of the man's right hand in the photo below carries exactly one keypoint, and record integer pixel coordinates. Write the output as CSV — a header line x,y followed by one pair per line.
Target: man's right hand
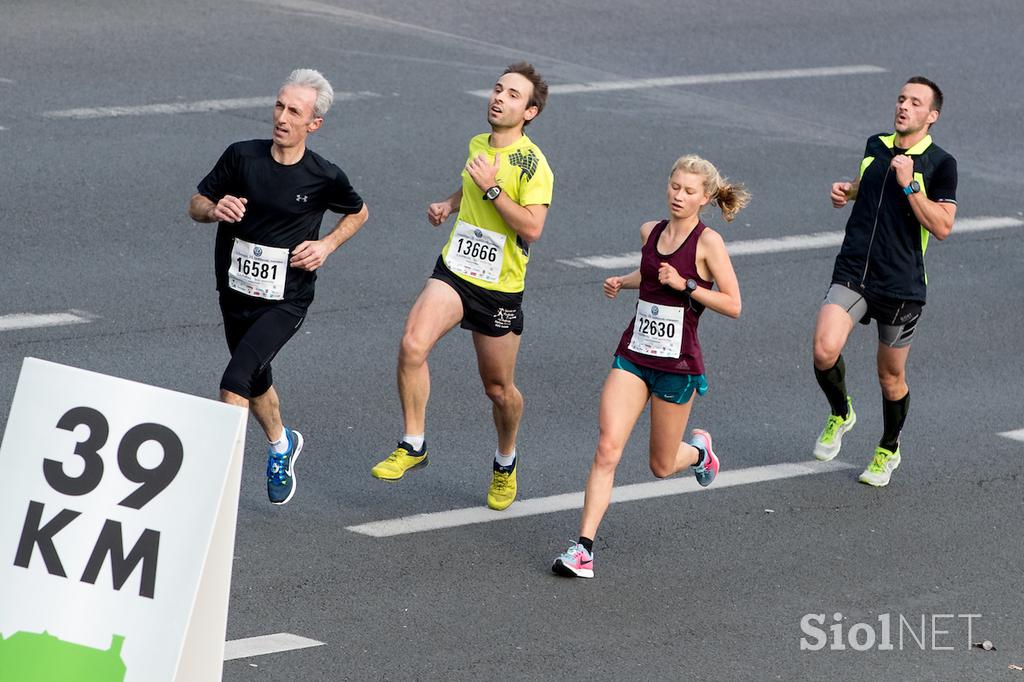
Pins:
x,y
841,193
439,212
230,209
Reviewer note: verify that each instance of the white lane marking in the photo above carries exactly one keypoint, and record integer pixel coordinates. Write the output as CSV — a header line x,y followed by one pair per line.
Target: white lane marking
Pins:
x,y
797,242
704,79
1014,435
266,644
7,80
557,503
32,320
354,19
187,107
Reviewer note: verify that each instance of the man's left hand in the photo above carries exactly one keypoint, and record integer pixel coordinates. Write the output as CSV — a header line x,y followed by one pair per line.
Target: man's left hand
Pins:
x,y
309,255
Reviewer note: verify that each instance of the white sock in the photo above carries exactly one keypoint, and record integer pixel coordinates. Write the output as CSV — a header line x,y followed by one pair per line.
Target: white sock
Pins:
x,y
280,446
415,441
504,460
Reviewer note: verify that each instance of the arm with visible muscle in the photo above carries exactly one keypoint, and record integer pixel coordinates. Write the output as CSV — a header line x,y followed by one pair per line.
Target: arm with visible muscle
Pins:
x,y
310,255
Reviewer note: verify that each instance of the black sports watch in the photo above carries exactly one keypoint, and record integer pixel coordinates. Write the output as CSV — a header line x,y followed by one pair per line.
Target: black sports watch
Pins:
x,y
492,193
691,285
913,188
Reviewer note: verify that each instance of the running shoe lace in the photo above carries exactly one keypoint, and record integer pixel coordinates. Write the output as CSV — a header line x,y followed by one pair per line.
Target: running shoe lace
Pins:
x,y
878,462
278,469
831,426
570,554
501,480
399,452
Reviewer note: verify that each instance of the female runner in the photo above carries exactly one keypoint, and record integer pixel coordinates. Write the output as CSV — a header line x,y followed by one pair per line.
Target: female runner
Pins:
x,y
659,354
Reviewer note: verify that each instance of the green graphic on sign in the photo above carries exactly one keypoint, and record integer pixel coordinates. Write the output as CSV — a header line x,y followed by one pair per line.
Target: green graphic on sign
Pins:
x,y
32,657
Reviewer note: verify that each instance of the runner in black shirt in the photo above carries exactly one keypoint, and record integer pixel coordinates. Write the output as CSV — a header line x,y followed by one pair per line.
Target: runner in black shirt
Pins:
x,y
269,198
906,192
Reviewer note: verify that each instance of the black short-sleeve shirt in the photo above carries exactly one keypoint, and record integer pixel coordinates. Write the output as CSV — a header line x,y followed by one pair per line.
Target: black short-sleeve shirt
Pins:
x,y
285,206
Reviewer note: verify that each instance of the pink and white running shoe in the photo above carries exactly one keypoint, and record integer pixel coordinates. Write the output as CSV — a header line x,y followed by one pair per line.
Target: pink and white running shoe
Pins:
x,y
577,562
706,471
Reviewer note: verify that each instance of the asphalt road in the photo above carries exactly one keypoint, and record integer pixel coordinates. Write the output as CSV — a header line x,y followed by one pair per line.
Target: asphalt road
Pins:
x,y
709,586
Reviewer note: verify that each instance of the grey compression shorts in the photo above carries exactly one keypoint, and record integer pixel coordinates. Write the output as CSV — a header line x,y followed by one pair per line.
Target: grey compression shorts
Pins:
x,y
897,319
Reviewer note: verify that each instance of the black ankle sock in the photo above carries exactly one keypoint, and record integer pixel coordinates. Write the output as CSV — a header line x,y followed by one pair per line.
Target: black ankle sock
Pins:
x,y
833,383
508,469
587,543
701,454
894,414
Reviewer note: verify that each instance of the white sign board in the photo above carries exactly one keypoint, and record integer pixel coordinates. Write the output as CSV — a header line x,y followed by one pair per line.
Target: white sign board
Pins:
x,y
117,529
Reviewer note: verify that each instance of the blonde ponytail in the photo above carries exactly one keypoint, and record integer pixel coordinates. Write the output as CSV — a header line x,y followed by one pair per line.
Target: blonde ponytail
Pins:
x,y
729,197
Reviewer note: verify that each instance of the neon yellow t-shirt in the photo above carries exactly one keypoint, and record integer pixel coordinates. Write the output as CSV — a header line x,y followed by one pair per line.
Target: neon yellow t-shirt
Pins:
x,y
481,248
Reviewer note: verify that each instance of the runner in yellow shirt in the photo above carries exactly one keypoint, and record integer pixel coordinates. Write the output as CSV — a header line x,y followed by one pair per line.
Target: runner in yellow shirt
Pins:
x,y
478,280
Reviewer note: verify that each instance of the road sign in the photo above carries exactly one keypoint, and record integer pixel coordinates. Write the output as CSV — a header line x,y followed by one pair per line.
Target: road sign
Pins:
x,y
117,532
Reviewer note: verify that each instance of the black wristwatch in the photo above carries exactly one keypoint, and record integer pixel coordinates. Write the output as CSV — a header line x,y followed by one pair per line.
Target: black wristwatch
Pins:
x,y
913,188
492,193
691,285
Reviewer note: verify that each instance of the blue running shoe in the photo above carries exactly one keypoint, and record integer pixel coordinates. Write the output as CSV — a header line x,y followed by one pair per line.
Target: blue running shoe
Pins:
x,y
281,469
704,473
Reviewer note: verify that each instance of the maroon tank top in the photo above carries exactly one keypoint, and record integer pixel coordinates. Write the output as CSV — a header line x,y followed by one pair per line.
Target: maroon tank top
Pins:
x,y
665,338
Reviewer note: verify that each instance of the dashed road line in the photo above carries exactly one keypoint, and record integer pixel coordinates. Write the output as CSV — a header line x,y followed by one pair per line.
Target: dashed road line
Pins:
x,y
1014,435
203,106
33,320
556,503
266,644
800,242
705,79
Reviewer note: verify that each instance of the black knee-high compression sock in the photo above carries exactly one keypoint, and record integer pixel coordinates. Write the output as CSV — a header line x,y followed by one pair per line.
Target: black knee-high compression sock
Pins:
x,y
833,383
894,414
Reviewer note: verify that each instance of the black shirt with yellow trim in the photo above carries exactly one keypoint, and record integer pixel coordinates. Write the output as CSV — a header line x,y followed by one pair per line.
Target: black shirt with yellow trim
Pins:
x,y
884,246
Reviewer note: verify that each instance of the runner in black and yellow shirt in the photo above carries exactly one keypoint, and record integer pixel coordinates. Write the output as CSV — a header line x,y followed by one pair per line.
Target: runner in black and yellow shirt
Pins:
x,y
479,278
905,192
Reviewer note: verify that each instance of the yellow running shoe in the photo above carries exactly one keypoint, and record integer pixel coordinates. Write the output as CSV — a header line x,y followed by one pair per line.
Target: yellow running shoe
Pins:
x,y
404,457
502,492
883,463
831,438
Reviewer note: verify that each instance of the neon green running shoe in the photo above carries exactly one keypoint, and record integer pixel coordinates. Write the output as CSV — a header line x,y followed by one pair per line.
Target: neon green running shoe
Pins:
x,y
502,492
831,438
882,465
404,457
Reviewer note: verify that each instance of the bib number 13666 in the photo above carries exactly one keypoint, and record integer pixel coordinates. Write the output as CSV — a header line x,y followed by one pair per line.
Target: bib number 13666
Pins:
x,y
476,250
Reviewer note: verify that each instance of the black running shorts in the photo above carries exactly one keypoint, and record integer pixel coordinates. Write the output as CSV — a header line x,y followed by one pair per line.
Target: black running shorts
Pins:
x,y
255,331
492,313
